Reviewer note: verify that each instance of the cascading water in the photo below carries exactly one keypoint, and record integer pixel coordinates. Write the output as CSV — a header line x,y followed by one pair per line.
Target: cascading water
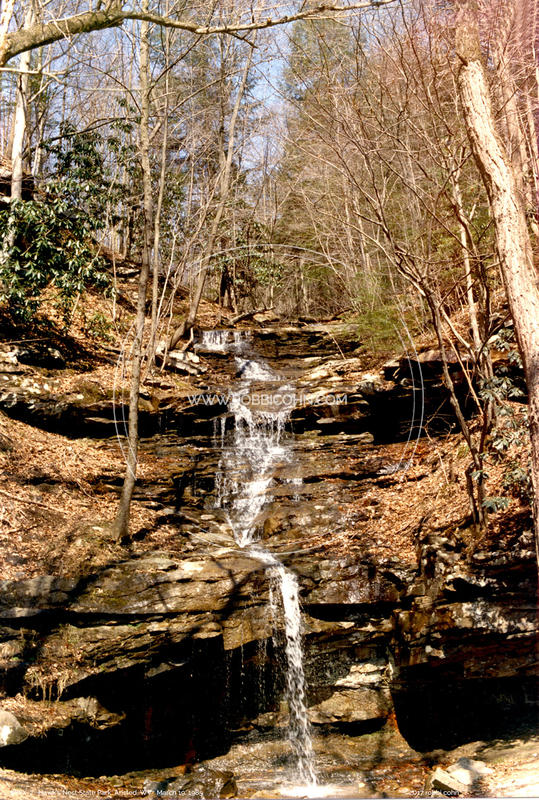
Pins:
x,y
222,341
246,473
299,732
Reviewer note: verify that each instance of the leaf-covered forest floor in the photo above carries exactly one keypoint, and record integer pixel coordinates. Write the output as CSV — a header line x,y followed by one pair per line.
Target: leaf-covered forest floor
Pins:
x,y
56,491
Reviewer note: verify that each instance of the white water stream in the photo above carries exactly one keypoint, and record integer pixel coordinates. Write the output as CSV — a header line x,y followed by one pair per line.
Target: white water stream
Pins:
x,y
246,472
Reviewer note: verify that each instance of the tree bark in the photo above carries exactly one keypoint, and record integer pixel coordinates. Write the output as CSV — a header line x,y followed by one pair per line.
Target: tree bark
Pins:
x,y
5,19
512,236
18,136
19,125
121,522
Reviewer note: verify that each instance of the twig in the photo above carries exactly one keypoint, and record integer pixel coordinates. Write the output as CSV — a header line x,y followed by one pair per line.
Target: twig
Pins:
x,y
338,345
31,502
24,528
23,341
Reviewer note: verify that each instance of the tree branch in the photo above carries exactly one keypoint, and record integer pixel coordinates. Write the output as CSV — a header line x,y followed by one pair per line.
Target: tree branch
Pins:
x,y
114,15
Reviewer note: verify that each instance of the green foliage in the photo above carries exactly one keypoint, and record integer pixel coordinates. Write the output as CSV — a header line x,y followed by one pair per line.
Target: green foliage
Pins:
x,y
99,327
510,435
495,503
50,242
80,176
50,246
380,325
517,481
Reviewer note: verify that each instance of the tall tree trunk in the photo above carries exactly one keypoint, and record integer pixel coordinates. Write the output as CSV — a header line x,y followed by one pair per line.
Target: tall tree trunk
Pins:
x,y
19,125
18,135
158,210
121,523
466,246
512,236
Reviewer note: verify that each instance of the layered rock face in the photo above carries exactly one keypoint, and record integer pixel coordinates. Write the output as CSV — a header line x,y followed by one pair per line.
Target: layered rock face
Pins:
x,y
163,658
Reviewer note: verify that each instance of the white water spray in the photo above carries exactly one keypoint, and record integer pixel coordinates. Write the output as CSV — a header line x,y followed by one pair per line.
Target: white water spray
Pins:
x,y
299,730
223,341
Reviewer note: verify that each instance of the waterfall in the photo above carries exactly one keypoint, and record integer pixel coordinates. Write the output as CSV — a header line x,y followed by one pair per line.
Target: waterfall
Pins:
x,y
299,727
249,458
215,341
222,341
285,582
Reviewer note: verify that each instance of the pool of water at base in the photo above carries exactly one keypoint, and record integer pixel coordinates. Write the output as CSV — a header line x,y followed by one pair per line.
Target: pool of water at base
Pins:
x,y
378,764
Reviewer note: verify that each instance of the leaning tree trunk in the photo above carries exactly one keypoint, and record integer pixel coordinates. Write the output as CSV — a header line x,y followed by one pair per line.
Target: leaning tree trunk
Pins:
x,y
121,523
512,235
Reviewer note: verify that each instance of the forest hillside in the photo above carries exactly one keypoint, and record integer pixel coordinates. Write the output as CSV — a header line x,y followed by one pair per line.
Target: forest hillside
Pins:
x,y
269,398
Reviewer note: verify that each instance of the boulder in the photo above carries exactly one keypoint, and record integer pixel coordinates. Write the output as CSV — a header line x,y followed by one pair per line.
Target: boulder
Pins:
x,y
180,361
90,711
351,705
263,317
444,782
11,730
40,355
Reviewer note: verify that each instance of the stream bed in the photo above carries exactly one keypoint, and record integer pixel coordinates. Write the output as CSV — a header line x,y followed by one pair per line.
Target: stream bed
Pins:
x,y
289,635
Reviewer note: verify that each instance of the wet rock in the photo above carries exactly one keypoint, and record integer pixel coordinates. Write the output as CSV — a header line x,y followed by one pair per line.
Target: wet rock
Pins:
x,y
201,782
292,342
11,730
130,615
139,586
271,719
349,583
141,630
371,674
145,585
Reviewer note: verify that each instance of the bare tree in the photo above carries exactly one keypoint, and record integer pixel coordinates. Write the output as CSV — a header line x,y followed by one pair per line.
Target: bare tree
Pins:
x,y
223,191
512,234
121,522
393,136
